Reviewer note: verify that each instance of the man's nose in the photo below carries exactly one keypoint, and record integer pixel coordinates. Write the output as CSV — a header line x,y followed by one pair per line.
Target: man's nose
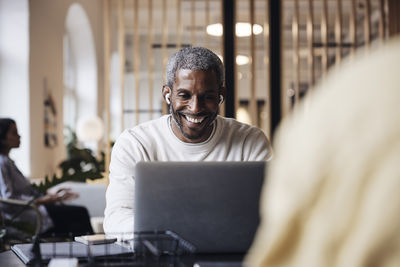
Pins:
x,y
195,105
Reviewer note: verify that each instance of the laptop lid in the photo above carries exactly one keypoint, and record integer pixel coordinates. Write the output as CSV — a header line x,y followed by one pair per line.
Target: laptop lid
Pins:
x,y
213,205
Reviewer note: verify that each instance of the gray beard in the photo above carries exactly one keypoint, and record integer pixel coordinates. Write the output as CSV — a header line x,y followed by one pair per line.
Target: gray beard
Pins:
x,y
176,114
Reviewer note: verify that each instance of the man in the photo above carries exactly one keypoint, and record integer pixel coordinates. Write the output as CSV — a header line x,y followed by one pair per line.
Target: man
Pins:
x,y
192,132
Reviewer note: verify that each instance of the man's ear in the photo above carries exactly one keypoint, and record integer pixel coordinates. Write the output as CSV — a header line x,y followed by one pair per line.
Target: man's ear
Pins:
x,y
222,91
166,92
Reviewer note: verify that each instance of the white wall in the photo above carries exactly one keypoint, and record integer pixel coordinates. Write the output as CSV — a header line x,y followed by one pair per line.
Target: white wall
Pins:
x,y
14,73
47,28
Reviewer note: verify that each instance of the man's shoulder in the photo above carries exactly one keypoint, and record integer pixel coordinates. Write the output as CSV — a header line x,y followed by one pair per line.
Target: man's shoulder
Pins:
x,y
145,132
235,125
144,127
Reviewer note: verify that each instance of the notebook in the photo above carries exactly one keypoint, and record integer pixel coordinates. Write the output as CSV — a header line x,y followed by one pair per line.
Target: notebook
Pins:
x,y
212,205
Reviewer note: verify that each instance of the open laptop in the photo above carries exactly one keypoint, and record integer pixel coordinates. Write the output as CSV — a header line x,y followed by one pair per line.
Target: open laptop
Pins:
x,y
213,205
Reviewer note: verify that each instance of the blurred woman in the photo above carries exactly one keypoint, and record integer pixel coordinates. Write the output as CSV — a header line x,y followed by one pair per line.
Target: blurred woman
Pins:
x,y
56,219
332,195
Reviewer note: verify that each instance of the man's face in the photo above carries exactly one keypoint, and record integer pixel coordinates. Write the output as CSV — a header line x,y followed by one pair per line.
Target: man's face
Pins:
x,y
194,104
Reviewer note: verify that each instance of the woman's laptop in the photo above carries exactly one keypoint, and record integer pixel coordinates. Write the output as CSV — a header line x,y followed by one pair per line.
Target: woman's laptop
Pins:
x,y
213,205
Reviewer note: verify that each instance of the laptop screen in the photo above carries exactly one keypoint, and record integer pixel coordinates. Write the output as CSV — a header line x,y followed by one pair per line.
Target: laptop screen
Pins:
x,y
213,205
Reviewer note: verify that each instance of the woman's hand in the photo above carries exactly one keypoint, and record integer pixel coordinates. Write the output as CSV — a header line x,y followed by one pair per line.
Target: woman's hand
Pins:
x,y
62,194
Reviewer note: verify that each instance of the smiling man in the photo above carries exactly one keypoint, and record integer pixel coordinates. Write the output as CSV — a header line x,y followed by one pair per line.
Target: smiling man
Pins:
x,y
193,131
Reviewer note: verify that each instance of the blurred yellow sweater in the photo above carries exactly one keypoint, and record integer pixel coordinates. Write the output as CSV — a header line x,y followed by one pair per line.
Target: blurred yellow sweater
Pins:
x,y
333,192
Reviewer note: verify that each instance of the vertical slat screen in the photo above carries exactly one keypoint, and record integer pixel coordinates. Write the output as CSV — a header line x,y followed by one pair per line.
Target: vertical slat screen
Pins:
x,y
338,31
151,57
136,60
367,23
121,52
295,54
179,24
207,10
193,22
310,42
106,25
324,36
164,37
164,46
321,19
252,62
222,110
236,95
382,20
353,27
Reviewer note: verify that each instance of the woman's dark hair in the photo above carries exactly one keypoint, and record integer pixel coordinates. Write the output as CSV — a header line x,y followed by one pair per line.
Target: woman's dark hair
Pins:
x,y
5,124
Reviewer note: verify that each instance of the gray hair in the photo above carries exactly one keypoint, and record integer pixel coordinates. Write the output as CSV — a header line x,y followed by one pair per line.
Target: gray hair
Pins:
x,y
194,58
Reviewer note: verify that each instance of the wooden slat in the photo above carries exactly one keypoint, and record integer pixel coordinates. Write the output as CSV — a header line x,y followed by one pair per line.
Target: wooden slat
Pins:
x,y
387,26
236,94
164,36
253,101
367,23
150,55
136,59
382,20
353,27
222,110
106,25
296,49
207,22
324,37
338,31
121,52
193,22
310,42
179,24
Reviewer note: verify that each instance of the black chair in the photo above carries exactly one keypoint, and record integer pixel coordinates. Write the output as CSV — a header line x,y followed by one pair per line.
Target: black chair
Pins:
x,y
14,232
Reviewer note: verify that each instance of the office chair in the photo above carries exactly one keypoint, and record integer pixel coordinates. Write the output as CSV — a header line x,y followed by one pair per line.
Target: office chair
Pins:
x,y
13,232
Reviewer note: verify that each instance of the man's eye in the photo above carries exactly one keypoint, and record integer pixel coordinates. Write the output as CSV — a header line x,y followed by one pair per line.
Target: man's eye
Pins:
x,y
184,96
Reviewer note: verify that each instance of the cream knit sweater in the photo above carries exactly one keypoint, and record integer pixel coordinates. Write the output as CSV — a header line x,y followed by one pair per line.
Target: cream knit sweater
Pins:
x,y
333,192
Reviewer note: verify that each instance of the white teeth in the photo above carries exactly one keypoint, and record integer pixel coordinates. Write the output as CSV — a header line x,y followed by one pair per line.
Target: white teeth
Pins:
x,y
194,120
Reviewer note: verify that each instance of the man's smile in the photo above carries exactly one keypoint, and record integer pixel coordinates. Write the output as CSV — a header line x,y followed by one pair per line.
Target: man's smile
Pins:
x,y
194,119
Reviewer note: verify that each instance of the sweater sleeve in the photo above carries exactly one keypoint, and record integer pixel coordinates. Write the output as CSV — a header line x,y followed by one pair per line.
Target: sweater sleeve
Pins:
x,y
257,146
118,213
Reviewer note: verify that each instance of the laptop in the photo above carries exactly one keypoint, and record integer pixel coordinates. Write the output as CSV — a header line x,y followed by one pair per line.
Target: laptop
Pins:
x,y
212,205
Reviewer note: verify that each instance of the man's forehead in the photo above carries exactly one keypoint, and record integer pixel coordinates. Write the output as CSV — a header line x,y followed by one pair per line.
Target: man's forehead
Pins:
x,y
186,78
183,72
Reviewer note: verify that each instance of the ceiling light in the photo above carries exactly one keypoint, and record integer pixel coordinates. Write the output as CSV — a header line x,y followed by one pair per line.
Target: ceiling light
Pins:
x,y
242,29
215,29
242,60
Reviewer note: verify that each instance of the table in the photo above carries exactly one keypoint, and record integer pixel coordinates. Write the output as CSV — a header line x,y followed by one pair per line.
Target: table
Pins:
x,y
8,258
